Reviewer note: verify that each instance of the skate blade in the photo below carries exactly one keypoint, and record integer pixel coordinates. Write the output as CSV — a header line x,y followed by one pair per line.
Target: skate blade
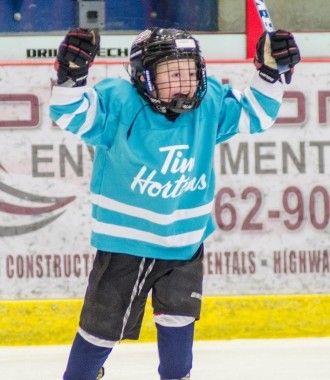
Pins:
x,y
100,374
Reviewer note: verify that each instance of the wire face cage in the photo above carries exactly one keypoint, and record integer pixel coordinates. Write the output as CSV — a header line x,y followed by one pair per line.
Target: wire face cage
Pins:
x,y
168,69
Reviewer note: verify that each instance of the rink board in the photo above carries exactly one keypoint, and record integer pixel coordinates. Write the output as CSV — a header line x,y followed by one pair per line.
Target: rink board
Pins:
x,y
241,317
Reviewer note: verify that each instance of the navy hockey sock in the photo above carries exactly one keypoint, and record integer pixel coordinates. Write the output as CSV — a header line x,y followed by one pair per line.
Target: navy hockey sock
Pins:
x,y
175,351
85,360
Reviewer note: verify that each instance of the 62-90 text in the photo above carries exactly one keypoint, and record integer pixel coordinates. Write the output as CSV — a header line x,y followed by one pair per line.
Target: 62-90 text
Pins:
x,y
296,209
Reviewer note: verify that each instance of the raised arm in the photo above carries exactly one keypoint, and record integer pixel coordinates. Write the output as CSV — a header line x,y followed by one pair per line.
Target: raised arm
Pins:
x,y
73,105
255,109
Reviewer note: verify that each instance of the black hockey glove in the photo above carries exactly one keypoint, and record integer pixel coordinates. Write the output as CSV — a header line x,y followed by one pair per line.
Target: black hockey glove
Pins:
x,y
75,55
279,48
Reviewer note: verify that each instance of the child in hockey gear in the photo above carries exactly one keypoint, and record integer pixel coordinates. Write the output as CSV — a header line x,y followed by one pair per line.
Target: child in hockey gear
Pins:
x,y
153,181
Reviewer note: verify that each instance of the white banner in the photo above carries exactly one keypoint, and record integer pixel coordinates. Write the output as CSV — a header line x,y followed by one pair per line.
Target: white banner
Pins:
x,y
272,204
117,47
38,47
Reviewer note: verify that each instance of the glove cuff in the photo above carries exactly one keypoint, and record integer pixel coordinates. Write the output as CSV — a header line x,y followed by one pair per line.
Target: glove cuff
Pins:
x,y
268,74
77,75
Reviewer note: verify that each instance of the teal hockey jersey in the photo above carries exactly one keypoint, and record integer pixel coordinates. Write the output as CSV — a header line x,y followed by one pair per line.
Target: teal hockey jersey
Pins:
x,y
153,183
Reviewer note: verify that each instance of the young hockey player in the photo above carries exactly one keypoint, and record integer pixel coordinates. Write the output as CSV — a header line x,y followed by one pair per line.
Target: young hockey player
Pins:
x,y
153,183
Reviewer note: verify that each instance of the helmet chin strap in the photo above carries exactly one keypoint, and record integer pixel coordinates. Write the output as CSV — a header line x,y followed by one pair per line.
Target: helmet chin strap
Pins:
x,y
177,105
181,104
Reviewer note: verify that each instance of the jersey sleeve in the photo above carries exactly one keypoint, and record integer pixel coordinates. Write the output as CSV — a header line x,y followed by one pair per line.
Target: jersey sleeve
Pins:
x,y
253,110
83,112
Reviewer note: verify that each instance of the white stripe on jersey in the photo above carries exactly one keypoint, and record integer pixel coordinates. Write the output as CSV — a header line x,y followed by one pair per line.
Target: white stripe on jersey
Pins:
x,y
179,240
265,120
151,216
91,113
88,98
244,119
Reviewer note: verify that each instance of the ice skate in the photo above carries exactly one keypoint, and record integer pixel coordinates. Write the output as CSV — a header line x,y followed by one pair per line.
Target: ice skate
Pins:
x,y
100,374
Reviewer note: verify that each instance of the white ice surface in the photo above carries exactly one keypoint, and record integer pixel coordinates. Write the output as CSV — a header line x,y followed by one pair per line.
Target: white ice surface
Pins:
x,y
282,359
